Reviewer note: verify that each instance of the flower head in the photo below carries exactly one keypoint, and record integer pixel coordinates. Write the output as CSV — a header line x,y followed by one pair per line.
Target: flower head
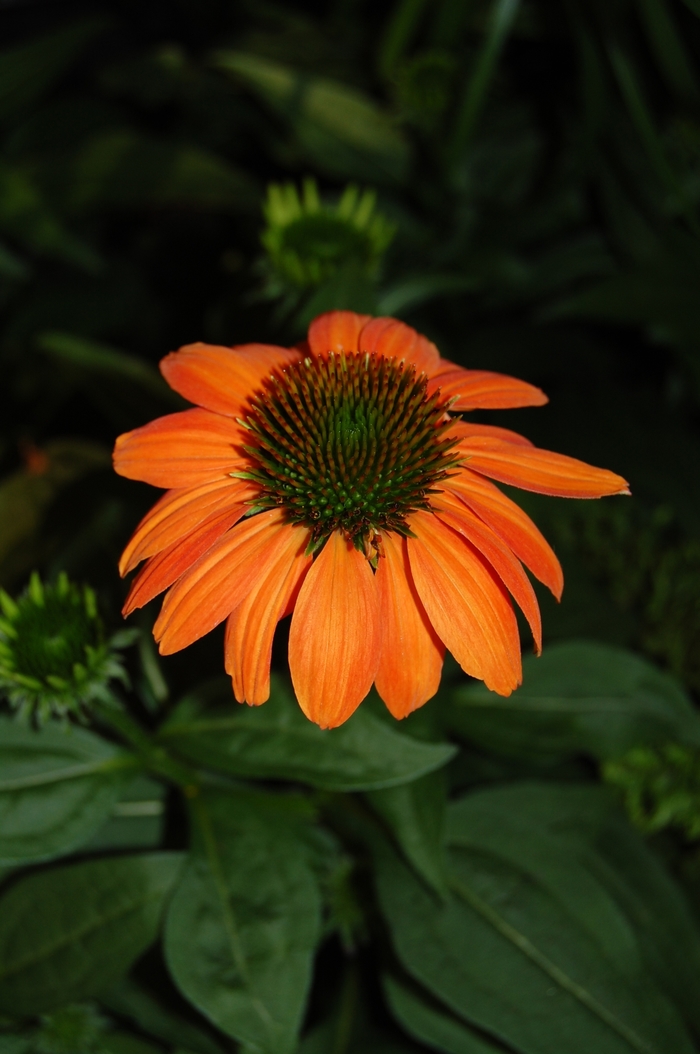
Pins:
x,y
53,656
307,241
337,482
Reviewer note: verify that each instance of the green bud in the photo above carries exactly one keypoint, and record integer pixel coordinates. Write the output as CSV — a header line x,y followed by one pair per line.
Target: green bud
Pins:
x,y
54,659
307,240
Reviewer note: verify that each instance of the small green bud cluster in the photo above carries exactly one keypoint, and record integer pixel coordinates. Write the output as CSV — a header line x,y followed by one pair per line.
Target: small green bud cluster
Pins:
x,y
307,241
74,1029
54,660
661,787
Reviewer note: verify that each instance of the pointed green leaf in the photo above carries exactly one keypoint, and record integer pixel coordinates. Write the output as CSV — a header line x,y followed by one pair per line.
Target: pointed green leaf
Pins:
x,y
578,698
415,815
244,921
276,741
531,950
57,787
68,932
432,1023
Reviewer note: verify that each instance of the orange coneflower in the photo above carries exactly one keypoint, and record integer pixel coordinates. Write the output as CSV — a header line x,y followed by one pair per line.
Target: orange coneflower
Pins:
x,y
336,482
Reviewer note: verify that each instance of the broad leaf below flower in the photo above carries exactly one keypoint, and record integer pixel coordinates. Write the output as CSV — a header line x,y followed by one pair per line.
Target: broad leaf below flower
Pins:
x,y
57,787
529,905
276,741
68,932
578,698
245,919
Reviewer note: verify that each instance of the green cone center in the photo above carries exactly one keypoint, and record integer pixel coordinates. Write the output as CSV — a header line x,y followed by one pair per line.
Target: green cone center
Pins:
x,y
352,442
52,638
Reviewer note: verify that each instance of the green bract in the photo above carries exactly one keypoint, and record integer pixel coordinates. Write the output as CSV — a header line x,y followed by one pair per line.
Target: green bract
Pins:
x,y
53,656
307,240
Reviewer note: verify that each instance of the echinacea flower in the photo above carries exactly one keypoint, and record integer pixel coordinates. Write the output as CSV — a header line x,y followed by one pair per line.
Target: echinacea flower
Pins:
x,y
336,482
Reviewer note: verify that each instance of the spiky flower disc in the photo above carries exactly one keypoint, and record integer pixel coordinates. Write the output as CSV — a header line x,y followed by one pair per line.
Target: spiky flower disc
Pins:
x,y
53,656
351,442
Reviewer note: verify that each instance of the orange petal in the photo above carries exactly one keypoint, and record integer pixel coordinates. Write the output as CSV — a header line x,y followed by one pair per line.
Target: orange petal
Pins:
x,y
334,639
411,653
396,340
455,514
511,524
251,627
336,331
481,390
181,450
178,512
222,379
219,581
540,470
167,566
466,603
464,430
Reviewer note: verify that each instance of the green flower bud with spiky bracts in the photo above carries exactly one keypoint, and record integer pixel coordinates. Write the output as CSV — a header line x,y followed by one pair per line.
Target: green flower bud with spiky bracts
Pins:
x,y
74,1029
54,660
307,240
660,786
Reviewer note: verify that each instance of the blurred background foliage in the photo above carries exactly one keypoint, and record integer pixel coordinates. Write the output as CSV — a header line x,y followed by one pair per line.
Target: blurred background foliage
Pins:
x,y
518,179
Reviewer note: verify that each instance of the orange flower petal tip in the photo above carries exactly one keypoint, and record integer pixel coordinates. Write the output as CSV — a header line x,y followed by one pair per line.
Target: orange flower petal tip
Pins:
x,y
336,482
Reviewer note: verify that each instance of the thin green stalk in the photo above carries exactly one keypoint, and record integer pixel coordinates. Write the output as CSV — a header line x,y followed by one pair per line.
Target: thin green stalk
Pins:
x,y
153,756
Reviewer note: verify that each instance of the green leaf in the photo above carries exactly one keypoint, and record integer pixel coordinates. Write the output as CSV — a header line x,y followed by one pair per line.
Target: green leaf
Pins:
x,y
121,169
125,1043
276,741
136,819
129,1000
577,698
57,787
244,921
531,947
69,932
433,1024
415,814
409,293
339,127
575,840
26,216
107,362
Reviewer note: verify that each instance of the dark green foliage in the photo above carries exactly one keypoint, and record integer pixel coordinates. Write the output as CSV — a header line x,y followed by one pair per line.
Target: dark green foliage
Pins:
x,y
521,182
276,741
245,920
66,934
57,787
